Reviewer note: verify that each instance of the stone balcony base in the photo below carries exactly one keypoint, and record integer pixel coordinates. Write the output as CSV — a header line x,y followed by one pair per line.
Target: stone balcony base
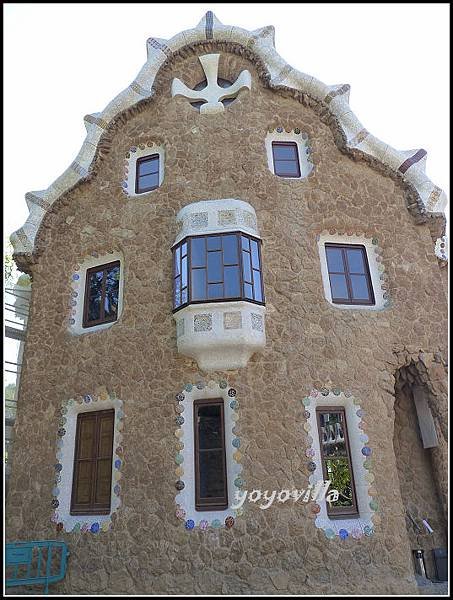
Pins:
x,y
221,336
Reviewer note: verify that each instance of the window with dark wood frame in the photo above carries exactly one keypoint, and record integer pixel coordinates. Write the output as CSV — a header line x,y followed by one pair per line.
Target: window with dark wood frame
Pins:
x,y
217,267
101,294
147,173
92,475
286,159
349,274
336,460
211,492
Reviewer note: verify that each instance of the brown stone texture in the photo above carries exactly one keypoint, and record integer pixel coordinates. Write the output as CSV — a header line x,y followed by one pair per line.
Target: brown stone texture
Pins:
x,y
310,344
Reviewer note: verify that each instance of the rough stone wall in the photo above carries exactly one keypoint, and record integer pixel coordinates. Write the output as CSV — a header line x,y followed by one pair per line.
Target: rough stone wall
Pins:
x,y
310,344
419,488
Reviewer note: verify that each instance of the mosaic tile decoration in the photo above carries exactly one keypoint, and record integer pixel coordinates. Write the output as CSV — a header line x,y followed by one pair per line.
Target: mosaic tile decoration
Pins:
x,y
202,322
194,519
261,42
360,453
61,492
232,320
130,164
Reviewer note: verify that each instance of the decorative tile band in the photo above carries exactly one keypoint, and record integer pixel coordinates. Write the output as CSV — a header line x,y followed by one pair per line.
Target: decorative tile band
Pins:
x,y
360,458
37,200
412,160
62,489
358,138
209,24
232,320
184,500
96,121
342,90
433,198
75,166
136,87
160,46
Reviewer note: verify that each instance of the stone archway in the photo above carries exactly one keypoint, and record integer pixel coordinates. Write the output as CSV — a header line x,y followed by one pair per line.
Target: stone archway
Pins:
x,y
420,450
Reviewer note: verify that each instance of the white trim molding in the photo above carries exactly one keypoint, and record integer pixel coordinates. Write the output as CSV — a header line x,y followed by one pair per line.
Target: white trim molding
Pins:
x,y
130,177
378,276
303,149
64,466
185,458
76,302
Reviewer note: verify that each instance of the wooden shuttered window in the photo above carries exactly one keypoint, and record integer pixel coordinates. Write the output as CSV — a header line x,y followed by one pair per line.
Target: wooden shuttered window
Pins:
x,y
210,459
92,478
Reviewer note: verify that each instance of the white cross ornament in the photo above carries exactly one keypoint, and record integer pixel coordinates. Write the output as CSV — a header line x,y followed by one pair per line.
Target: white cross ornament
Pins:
x,y
212,94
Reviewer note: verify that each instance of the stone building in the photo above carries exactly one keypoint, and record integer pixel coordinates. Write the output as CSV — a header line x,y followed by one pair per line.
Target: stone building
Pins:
x,y
236,287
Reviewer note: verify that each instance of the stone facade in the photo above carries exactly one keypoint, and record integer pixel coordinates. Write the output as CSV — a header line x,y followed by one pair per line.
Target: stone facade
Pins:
x,y
310,344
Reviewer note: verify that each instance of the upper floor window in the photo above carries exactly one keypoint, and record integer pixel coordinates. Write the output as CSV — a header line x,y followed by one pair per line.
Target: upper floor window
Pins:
x,y
92,478
336,460
349,274
217,267
210,458
286,159
101,294
147,175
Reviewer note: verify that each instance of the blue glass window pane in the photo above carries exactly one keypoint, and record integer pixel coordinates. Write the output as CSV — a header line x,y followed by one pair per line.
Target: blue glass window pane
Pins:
x,y
184,296
232,282
255,254
246,269
111,292
199,284
184,272
359,287
334,260
248,291
230,250
339,287
177,257
214,266
177,291
95,295
147,182
215,290
245,243
257,286
355,260
287,167
148,166
214,243
285,152
198,252
184,249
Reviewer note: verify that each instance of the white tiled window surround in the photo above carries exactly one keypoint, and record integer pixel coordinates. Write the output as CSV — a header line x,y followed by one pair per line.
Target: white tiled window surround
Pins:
x,y
78,292
375,266
136,152
303,148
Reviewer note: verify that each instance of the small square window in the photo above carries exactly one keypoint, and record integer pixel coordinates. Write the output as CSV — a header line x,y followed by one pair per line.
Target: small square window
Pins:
x,y
101,294
147,174
349,274
286,159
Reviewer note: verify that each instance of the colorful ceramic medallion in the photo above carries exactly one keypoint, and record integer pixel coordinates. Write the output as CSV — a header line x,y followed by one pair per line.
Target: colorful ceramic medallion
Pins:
x,y
343,534
204,524
366,451
188,387
179,397
94,528
190,524
180,514
229,522
232,392
223,384
216,523
329,533
179,485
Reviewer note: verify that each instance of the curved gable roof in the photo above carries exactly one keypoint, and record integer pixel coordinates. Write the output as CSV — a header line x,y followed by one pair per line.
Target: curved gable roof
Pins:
x,y
407,164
